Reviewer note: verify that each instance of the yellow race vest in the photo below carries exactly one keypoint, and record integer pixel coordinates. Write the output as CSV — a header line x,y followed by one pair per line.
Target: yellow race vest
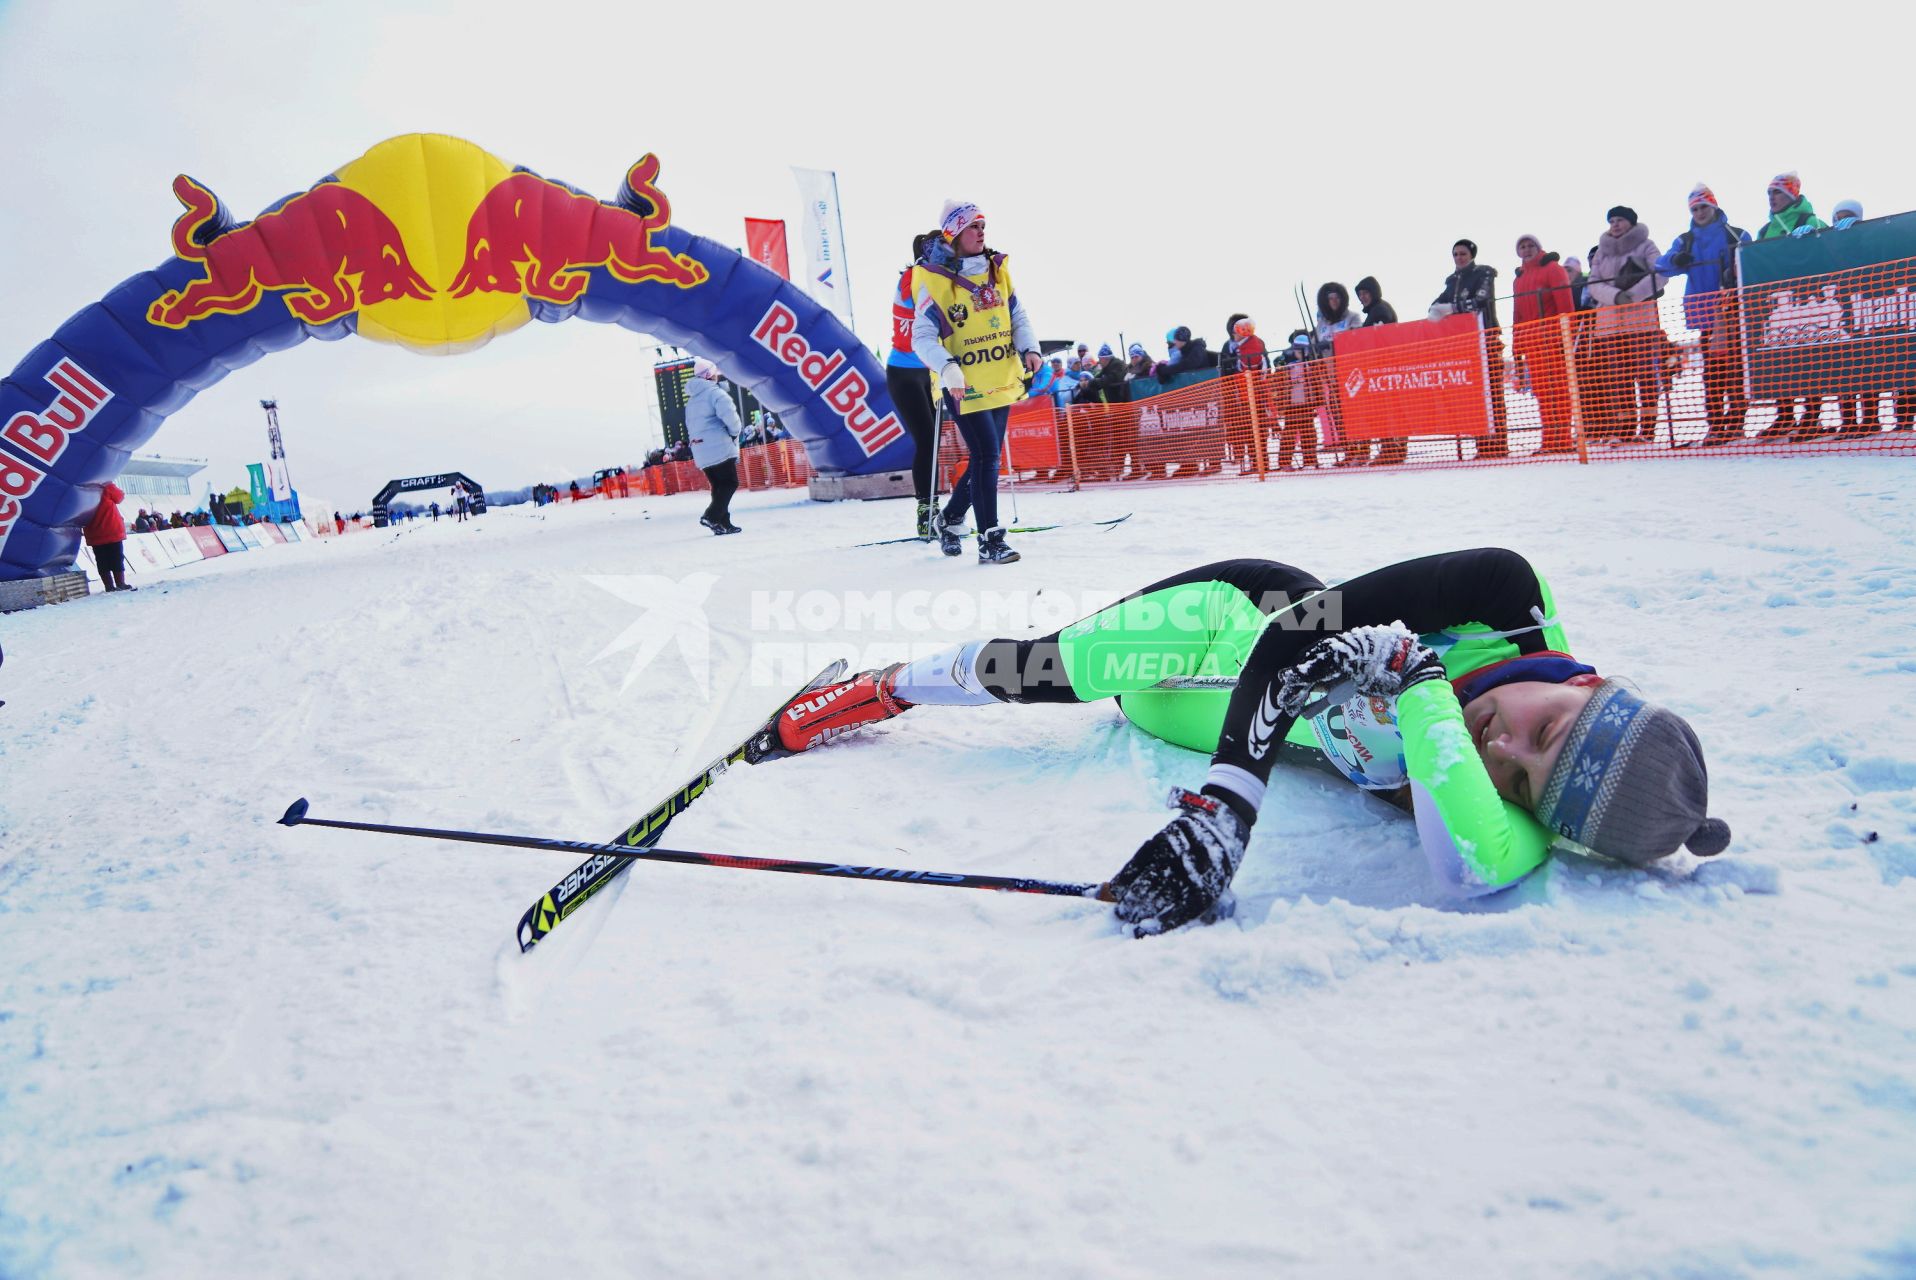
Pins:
x,y
977,332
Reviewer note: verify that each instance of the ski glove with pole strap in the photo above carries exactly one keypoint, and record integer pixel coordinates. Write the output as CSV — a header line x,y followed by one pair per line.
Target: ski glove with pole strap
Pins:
x,y
1380,661
1184,871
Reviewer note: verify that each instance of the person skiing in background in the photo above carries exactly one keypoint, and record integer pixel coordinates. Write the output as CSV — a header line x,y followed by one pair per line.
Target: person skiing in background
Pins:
x,y
909,381
970,324
1459,697
106,534
712,426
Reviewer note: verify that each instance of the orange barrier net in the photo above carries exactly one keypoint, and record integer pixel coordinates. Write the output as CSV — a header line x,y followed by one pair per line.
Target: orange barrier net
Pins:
x,y
1818,364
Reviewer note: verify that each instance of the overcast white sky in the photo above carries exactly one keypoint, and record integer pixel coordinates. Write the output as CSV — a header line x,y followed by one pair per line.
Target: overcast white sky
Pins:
x,y
1145,166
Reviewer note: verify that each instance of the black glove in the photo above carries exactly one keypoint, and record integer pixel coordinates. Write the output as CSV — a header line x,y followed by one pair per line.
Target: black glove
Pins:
x,y
1380,661
1185,870
1682,258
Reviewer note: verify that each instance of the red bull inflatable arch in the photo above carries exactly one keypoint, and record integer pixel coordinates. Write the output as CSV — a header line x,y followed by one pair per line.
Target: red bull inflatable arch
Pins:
x,y
431,243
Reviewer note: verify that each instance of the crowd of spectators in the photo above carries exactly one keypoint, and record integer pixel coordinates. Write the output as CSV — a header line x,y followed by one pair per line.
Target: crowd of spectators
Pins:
x,y
1623,357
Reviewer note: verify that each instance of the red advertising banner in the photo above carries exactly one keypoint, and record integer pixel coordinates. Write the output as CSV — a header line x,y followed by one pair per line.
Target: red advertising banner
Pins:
x,y
765,245
1420,378
209,542
1031,435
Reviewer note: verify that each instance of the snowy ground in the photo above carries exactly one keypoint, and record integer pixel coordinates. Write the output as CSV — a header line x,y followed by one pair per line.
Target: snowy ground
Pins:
x,y
231,1049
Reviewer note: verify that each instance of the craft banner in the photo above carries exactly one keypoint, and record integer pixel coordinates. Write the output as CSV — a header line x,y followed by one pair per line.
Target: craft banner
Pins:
x,y
1420,378
765,245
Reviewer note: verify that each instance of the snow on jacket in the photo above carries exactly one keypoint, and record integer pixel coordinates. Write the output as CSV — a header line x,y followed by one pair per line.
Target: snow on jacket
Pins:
x,y
711,423
1623,270
1471,291
1712,267
107,524
1797,216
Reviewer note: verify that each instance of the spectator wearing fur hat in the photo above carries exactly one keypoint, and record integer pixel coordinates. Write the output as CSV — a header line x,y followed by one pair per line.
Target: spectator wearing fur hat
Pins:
x,y
1705,253
1471,289
1621,377
1537,339
712,425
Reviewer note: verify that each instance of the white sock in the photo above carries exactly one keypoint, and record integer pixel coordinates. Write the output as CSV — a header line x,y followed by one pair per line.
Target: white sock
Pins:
x,y
946,679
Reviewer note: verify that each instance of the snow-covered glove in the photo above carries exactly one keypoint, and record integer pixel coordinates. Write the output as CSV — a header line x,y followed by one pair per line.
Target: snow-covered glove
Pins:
x,y
952,378
1381,662
1184,871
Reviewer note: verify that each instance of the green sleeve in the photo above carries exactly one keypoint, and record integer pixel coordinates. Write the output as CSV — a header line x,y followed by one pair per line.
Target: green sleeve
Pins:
x,y
1476,840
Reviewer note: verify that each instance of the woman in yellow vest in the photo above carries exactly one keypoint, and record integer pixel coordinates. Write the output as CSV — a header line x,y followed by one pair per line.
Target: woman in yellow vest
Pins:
x,y
970,325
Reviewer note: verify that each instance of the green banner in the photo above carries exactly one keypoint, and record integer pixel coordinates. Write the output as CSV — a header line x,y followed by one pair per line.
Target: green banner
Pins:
x,y
1830,313
256,480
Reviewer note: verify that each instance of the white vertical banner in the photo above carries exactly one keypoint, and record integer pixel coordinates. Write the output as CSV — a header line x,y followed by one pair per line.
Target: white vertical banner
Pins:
x,y
277,481
827,277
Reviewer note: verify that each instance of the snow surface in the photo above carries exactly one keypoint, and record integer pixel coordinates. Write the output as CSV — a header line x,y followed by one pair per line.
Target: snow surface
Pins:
x,y
231,1049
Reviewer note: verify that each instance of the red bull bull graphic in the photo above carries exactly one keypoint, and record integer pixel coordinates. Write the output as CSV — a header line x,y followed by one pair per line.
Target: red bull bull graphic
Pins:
x,y
330,250
533,236
431,243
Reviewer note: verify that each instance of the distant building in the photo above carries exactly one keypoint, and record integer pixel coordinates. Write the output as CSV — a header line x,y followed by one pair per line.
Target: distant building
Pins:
x,y
160,484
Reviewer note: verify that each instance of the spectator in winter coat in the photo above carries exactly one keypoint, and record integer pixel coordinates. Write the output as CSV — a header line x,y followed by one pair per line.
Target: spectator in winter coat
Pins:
x,y
1790,213
1623,378
1139,365
1045,382
1187,354
1227,354
1543,294
1370,296
1579,295
1334,316
1247,429
1705,253
1299,395
106,534
712,427
1471,289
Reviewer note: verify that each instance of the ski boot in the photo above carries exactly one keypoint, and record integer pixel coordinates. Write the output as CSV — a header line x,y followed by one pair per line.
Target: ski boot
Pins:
x,y
924,521
822,713
718,527
992,548
947,535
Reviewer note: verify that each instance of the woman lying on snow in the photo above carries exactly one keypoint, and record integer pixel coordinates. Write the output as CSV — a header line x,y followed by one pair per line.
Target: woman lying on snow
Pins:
x,y
1482,712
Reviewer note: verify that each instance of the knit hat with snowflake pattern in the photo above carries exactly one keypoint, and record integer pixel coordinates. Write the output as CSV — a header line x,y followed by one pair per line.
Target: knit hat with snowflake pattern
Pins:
x,y
1630,783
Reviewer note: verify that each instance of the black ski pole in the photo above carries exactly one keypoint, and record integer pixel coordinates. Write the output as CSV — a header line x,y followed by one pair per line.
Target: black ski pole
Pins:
x,y
296,816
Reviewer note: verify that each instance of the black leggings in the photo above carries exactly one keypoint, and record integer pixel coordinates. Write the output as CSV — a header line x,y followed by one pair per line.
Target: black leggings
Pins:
x,y
724,478
911,397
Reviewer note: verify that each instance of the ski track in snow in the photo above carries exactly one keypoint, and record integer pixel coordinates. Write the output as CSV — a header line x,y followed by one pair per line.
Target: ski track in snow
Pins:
x,y
231,1049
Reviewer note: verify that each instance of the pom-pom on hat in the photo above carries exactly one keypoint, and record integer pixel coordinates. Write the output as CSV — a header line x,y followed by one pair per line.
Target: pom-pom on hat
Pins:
x,y
1630,782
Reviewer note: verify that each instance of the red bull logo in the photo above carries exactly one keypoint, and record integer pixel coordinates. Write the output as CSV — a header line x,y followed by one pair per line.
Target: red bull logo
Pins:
x,y
44,436
330,250
847,394
534,236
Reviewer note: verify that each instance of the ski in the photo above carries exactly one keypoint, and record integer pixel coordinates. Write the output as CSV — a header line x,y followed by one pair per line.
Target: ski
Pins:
x,y
1023,528
601,869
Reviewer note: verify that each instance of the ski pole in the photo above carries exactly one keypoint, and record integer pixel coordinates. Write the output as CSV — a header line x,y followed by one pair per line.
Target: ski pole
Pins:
x,y
296,816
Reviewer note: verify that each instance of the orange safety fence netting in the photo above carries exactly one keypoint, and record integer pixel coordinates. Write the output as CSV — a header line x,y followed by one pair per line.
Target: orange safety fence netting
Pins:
x,y
1818,364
